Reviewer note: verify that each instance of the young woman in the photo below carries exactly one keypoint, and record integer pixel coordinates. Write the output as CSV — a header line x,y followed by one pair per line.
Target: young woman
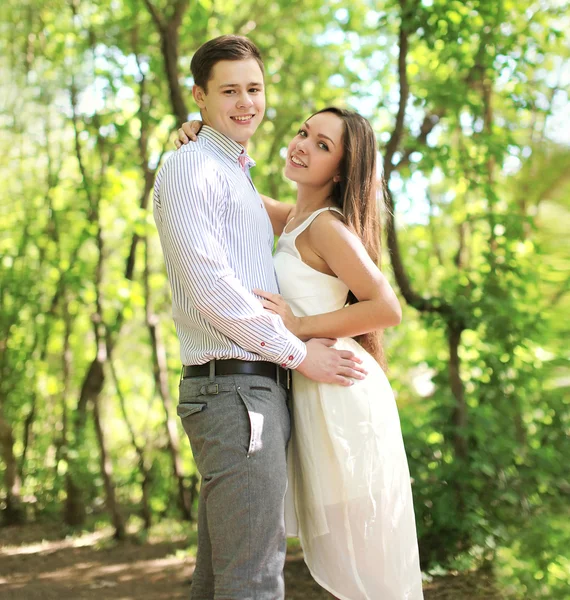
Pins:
x,y
349,499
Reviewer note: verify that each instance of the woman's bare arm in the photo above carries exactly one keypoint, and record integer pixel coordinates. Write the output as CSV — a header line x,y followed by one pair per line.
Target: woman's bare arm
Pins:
x,y
377,307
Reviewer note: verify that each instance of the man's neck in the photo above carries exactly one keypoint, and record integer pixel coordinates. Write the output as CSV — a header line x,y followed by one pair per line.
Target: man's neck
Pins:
x,y
206,122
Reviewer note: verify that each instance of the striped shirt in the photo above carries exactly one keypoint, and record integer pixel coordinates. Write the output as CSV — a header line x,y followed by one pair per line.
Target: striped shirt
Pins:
x,y
217,242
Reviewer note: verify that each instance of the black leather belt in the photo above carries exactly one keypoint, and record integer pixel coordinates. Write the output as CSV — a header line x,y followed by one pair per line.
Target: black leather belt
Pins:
x,y
240,367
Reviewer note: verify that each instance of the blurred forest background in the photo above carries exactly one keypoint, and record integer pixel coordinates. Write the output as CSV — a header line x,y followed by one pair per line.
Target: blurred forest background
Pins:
x,y
469,100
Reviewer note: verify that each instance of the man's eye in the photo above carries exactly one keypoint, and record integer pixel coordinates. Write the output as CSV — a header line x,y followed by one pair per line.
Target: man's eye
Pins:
x,y
255,90
229,92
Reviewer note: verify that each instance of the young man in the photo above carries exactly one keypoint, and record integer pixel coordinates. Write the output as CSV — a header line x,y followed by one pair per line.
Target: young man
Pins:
x,y
217,242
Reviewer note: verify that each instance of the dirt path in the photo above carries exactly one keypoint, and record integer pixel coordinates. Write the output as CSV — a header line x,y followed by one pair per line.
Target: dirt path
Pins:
x,y
37,564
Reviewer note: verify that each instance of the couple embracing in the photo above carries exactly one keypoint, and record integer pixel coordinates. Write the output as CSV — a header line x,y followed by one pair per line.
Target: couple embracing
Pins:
x,y
292,422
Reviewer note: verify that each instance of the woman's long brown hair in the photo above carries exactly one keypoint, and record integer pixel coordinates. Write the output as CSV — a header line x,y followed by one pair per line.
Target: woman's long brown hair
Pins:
x,y
356,195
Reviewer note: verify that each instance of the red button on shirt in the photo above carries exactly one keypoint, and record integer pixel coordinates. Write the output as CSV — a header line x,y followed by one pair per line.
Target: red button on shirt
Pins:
x,y
283,365
291,357
263,343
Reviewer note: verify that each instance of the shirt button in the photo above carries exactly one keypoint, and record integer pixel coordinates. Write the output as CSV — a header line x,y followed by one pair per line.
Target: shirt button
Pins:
x,y
283,365
291,357
263,343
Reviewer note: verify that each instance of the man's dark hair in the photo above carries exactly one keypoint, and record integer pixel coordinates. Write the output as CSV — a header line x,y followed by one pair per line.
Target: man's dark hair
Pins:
x,y
225,47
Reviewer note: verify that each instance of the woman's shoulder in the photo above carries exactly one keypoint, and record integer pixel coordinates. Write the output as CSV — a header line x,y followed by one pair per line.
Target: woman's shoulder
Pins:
x,y
329,222
330,233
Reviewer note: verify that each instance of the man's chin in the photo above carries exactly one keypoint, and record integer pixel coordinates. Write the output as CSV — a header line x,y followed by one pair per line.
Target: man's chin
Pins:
x,y
242,133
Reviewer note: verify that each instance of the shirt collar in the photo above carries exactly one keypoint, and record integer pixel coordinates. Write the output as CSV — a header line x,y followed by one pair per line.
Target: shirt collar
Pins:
x,y
225,145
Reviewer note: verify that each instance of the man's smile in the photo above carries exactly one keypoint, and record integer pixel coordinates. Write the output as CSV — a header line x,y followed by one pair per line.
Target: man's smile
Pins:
x,y
242,118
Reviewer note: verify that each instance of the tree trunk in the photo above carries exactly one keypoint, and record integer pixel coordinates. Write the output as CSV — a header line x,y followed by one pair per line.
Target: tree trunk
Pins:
x,y
13,513
161,379
169,29
169,44
144,470
28,423
460,410
61,442
107,473
74,512
92,385
160,372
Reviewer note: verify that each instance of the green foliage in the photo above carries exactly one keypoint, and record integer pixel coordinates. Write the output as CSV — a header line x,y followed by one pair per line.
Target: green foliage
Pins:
x,y
480,182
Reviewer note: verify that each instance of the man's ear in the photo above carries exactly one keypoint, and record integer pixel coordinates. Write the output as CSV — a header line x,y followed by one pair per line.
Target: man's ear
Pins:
x,y
199,96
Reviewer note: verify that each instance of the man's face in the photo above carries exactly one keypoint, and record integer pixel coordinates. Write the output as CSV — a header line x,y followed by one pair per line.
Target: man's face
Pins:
x,y
235,102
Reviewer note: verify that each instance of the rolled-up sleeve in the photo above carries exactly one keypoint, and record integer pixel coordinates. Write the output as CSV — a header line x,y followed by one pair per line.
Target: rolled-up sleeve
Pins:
x,y
191,224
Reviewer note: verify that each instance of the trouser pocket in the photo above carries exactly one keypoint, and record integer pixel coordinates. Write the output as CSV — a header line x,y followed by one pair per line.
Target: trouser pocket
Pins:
x,y
186,409
256,422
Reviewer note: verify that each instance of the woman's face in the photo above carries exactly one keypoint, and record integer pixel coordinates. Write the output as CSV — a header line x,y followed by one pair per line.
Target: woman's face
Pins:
x,y
315,153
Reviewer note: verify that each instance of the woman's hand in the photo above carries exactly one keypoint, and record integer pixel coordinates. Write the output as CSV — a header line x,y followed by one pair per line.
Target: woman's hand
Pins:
x,y
187,132
274,303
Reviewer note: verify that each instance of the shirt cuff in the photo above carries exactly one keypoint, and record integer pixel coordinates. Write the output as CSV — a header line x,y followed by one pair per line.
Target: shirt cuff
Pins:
x,y
293,355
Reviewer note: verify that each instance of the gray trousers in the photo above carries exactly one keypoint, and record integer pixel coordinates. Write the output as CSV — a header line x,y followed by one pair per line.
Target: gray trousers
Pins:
x,y
238,428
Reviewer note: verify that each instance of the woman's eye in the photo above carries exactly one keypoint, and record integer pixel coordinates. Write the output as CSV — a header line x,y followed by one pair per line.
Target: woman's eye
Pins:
x,y
302,133
323,146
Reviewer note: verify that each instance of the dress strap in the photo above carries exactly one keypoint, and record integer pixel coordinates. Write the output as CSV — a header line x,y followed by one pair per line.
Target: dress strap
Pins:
x,y
300,228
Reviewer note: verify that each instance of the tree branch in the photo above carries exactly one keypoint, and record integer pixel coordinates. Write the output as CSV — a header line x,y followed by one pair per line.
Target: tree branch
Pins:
x,y
169,36
154,14
410,295
179,10
428,125
396,136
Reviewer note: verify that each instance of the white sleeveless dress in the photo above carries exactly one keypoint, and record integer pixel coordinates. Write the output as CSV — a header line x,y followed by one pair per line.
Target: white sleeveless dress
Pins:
x,y
349,498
